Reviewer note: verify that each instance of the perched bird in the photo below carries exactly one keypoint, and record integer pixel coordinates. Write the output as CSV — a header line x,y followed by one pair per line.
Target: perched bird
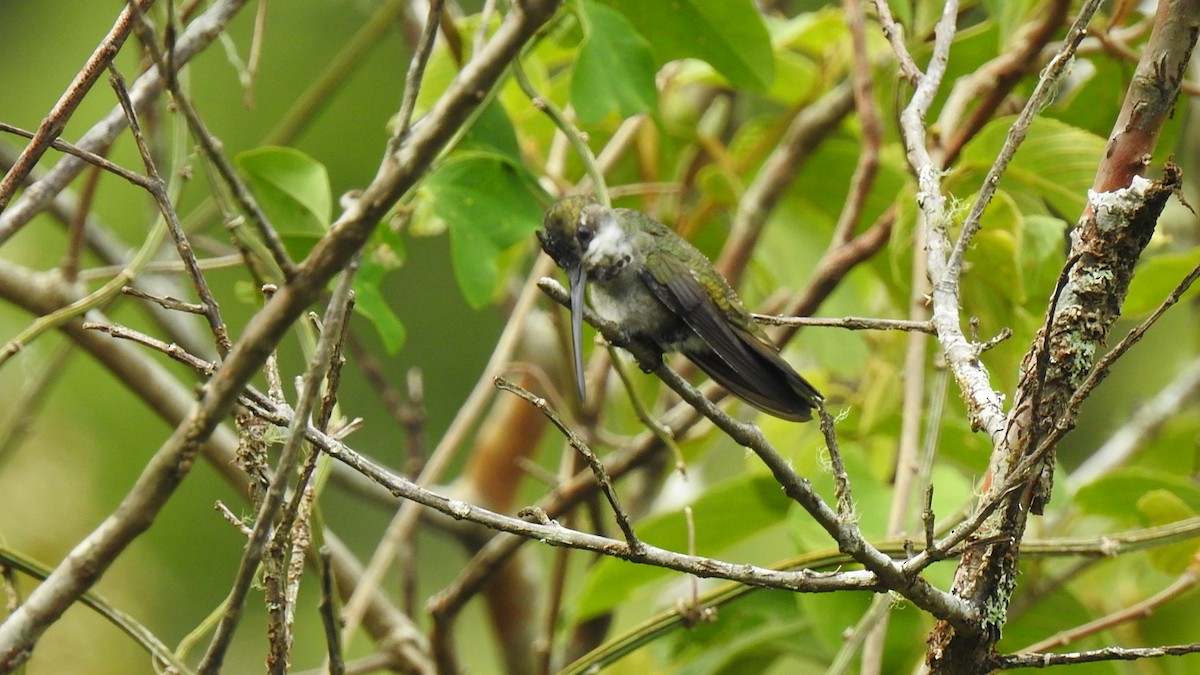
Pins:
x,y
664,293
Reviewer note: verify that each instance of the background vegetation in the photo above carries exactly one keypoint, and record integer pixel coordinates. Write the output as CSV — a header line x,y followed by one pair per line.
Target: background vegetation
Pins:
x,y
783,139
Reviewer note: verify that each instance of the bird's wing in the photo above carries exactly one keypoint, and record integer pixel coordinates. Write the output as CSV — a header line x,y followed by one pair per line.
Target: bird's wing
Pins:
x,y
673,284
741,361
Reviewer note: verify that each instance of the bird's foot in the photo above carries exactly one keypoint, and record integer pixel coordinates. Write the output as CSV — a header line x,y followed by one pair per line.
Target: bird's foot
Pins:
x,y
648,357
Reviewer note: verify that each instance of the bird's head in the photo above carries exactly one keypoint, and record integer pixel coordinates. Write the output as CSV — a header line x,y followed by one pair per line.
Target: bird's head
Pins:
x,y
567,232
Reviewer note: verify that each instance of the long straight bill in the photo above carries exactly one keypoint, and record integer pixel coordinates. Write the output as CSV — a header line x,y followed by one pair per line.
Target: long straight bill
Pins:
x,y
577,275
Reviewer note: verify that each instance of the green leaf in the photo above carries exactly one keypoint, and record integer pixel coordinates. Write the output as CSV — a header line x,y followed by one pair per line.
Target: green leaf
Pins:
x,y
492,131
831,613
902,11
748,637
370,303
1116,494
1054,167
1161,507
1042,250
797,79
728,34
1057,607
615,69
1156,278
291,187
385,252
488,207
994,280
724,515
1009,15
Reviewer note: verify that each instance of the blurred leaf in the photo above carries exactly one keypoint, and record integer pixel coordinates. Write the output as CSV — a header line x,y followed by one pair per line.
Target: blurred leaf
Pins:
x,y
1118,494
902,11
813,33
832,613
292,188
488,207
715,182
1172,623
1054,167
822,181
797,79
1056,609
1154,280
1161,507
371,304
1009,15
728,34
993,279
424,220
614,71
881,393
385,252
748,636
1013,265
1041,253
548,66
492,131
725,514
1163,449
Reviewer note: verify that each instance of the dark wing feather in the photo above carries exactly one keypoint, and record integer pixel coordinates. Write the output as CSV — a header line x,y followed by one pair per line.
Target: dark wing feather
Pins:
x,y
767,395
739,360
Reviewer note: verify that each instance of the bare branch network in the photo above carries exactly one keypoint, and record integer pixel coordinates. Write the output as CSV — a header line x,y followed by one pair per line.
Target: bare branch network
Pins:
x,y
705,137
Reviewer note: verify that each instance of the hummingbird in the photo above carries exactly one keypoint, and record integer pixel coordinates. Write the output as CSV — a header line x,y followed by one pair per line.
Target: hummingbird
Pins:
x,y
666,294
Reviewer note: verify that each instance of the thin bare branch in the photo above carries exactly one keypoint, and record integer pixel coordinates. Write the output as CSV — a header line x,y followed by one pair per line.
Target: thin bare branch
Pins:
x,y
200,33
416,69
606,486
214,152
327,608
166,302
848,322
1091,656
87,156
894,32
158,190
54,123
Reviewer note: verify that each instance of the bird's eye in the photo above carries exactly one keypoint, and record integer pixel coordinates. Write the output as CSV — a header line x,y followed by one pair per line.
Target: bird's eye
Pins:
x,y
584,234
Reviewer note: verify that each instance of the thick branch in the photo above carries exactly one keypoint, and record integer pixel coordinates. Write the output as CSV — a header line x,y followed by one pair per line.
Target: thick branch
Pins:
x,y
1111,234
1150,100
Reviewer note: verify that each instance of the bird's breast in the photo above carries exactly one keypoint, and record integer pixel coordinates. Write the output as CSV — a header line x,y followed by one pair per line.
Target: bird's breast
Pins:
x,y
626,301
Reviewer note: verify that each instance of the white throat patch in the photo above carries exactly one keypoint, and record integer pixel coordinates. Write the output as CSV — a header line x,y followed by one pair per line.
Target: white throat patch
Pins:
x,y
609,243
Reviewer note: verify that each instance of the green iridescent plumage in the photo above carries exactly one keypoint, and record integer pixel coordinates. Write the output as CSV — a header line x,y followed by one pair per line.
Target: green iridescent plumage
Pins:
x,y
665,293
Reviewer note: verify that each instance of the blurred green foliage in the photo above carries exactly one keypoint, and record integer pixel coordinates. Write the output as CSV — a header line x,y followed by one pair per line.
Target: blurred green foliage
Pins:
x,y
437,278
